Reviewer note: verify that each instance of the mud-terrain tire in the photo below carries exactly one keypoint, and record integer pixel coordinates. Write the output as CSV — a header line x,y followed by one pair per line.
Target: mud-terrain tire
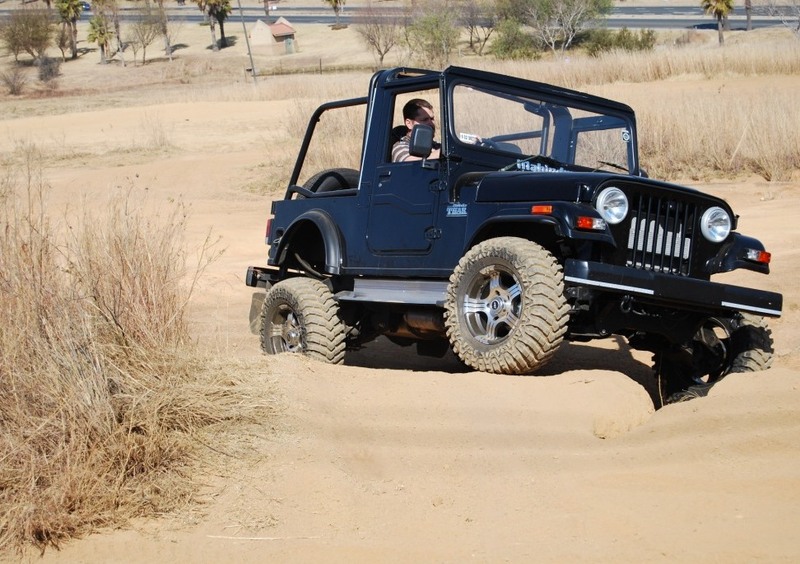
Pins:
x,y
333,179
505,310
752,345
300,315
747,348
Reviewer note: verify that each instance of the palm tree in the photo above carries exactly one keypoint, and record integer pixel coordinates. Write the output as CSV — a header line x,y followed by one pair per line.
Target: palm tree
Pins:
x,y
720,10
337,6
70,12
218,10
100,32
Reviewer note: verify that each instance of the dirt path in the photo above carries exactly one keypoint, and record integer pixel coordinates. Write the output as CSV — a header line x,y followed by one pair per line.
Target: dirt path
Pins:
x,y
396,465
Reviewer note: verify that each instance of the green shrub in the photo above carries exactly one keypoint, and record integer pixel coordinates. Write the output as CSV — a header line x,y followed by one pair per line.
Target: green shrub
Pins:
x,y
601,40
512,43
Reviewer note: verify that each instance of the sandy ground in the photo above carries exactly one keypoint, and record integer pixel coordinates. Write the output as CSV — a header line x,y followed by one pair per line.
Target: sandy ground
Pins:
x,y
393,458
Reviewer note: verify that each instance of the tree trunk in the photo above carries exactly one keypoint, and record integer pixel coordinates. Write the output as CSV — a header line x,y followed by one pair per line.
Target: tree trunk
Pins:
x,y
120,45
103,60
164,29
212,26
748,9
222,41
73,39
719,30
167,46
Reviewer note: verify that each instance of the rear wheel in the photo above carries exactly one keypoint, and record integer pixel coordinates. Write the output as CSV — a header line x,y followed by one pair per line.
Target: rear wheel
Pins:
x,y
721,346
333,179
505,307
300,315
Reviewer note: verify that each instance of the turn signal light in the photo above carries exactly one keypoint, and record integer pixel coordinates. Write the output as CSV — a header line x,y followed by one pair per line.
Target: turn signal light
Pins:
x,y
590,223
541,210
755,255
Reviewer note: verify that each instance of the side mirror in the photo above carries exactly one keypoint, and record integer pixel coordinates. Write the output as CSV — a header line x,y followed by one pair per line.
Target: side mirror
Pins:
x,y
421,143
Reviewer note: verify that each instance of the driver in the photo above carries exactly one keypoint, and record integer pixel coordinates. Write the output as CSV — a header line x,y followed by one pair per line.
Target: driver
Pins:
x,y
416,111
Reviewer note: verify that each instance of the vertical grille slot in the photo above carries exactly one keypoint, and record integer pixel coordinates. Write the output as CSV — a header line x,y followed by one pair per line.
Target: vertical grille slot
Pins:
x,y
661,235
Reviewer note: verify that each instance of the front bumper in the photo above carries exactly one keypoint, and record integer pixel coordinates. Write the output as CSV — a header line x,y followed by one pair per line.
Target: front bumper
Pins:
x,y
671,290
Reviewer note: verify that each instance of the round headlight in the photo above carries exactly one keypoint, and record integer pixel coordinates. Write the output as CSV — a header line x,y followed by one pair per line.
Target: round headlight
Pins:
x,y
612,204
715,224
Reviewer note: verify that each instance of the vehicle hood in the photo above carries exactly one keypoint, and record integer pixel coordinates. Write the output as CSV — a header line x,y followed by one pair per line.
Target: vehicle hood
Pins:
x,y
521,186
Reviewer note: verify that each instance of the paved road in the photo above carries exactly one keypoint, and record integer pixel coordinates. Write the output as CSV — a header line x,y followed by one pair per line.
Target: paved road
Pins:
x,y
648,17
652,17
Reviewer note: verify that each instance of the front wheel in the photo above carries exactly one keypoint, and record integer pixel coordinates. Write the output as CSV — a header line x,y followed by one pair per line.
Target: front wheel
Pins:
x,y
300,315
505,307
742,343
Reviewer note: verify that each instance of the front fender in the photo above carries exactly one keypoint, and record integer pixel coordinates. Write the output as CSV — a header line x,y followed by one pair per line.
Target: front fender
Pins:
x,y
318,221
732,255
560,222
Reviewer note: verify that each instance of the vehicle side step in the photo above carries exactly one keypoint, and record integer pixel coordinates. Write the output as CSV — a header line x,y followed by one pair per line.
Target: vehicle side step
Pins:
x,y
420,292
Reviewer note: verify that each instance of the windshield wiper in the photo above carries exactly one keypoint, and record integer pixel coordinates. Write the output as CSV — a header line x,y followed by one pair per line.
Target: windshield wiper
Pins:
x,y
612,165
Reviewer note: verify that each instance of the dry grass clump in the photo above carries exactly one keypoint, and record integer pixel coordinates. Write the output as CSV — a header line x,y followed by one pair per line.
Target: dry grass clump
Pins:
x,y
725,134
101,392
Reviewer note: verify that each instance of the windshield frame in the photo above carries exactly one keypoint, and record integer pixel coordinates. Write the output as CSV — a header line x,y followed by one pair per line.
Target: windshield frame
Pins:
x,y
560,131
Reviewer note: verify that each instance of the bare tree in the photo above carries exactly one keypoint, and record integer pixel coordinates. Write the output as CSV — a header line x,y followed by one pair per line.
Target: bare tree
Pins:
x,y
379,29
63,39
28,31
789,13
143,31
162,13
556,23
479,17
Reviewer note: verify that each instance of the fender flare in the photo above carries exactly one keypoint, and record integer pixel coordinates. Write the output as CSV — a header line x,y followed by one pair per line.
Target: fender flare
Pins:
x,y
560,221
329,231
731,256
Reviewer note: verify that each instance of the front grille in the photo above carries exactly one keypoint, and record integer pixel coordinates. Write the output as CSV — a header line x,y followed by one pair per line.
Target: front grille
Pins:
x,y
661,235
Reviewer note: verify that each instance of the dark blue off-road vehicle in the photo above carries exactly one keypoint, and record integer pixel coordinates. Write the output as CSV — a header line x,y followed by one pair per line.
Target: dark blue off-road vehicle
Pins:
x,y
535,224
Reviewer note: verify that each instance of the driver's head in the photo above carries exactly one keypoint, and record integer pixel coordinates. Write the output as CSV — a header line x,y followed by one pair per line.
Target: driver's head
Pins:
x,y
418,111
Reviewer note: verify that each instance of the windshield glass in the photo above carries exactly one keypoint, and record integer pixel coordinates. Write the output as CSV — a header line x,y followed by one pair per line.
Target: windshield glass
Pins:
x,y
524,126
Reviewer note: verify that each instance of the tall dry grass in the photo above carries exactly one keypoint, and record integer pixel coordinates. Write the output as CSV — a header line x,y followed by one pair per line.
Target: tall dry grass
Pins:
x,y
724,135
103,397
699,134
755,54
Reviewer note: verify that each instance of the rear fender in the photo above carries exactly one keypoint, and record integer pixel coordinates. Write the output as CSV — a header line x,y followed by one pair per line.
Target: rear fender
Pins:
x,y
320,222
